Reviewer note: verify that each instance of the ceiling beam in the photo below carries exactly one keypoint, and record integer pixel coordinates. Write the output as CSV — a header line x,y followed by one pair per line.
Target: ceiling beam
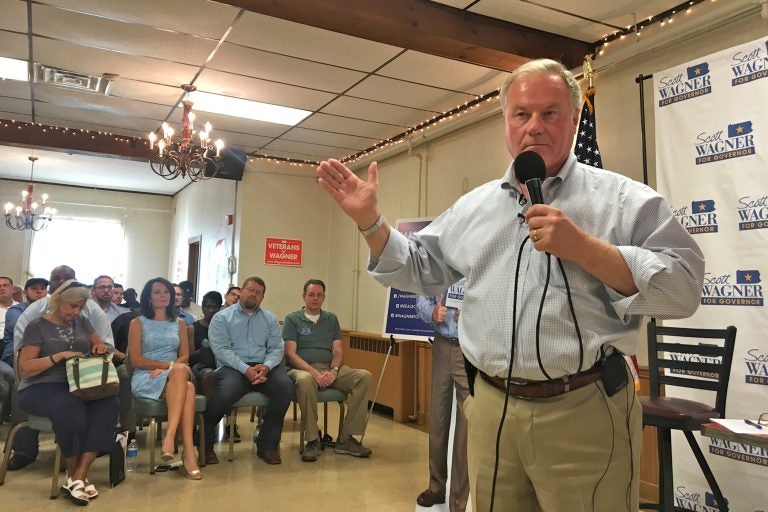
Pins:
x,y
84,142
428,27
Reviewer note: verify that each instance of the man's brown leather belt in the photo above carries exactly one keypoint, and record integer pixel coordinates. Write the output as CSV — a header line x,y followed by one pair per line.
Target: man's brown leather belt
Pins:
x,y
544,388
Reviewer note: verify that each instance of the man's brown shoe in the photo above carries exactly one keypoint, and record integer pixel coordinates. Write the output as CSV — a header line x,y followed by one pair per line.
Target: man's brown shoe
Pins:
x,y
269,456
429,498
211,458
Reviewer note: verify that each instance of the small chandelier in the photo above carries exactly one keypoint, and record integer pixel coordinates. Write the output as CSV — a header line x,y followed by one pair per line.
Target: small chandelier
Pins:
x,y
183,157
23,217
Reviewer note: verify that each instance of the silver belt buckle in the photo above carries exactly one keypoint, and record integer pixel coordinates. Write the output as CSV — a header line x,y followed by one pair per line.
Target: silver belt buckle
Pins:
x,y
566,382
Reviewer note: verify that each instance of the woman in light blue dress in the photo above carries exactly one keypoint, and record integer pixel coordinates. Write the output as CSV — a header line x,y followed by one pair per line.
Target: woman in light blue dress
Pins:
x,y
158,351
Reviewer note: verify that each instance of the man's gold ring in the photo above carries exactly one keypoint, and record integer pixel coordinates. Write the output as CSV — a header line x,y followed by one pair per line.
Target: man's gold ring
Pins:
x,y
535,236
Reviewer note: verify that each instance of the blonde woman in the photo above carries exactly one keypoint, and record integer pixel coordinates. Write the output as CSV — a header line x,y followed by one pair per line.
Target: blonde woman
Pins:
x,y
83,429
158,351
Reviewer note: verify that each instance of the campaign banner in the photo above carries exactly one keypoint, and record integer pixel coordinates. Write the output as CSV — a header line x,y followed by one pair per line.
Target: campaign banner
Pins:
x,y
401,320
711,154
283,251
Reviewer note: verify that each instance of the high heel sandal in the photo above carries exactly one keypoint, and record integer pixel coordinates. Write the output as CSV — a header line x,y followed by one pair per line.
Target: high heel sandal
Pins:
x,y
195,474
166,457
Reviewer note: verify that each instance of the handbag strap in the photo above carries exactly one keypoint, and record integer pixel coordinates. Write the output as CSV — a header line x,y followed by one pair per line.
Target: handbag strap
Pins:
x,y
76,371
105,370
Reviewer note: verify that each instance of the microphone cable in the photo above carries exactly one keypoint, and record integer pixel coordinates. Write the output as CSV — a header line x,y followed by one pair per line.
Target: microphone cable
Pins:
x,y
509,375
573,316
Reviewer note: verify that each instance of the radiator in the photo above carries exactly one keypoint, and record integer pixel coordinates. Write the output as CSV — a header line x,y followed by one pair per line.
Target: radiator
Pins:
x,y
368,351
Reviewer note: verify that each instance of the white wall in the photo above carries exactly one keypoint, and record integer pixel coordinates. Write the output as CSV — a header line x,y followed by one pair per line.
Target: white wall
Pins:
x,y
146,219
201,211
283,201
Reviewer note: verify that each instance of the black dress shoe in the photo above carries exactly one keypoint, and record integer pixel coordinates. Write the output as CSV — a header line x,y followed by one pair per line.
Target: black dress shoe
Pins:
x,y
429,498
18,461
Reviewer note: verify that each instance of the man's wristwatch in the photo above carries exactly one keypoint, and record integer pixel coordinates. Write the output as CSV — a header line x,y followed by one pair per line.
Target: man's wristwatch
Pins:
x,y
335,368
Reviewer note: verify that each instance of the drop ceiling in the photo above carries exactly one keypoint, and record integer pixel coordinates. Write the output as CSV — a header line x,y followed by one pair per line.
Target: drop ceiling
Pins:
x,y
360,90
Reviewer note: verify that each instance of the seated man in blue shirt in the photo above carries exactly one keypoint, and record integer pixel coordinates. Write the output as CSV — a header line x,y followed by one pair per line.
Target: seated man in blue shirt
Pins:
x,y
246,341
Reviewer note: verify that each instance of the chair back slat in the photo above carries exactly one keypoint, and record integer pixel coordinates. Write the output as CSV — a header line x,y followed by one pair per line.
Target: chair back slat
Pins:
x,y
711,370
709,385
708,370
702,349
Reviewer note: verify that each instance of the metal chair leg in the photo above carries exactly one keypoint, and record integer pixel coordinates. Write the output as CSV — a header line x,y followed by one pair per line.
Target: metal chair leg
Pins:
x,y
7,449
722,504
201,440
231,427
55,477
151,444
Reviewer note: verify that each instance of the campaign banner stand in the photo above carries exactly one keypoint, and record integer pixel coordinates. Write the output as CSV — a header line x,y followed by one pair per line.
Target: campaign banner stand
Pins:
x,y
711,164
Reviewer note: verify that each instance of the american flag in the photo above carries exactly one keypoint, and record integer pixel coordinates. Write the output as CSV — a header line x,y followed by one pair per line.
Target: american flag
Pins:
x,y
586,137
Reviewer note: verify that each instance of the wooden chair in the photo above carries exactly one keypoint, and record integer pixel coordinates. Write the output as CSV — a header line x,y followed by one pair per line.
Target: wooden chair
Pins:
x,y
667,413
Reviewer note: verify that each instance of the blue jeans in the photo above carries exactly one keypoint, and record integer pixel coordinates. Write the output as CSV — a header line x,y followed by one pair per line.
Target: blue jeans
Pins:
x,y
231,385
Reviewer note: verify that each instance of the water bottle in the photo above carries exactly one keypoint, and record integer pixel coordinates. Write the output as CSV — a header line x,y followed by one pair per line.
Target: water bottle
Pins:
x,y
132,456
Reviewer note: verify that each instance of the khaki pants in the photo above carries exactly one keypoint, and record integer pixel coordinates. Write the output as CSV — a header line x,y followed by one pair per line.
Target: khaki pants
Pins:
x,y
579,451
448,373
355,383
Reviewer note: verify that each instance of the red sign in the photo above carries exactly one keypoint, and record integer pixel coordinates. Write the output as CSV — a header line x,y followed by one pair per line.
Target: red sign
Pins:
x,y
283,251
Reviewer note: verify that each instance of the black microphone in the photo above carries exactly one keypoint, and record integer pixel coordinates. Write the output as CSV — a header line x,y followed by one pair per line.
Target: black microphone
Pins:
x,y
530,169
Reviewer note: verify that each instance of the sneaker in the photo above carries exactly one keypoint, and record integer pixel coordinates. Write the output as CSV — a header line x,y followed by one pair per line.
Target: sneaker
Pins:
x,y
351,446
312,451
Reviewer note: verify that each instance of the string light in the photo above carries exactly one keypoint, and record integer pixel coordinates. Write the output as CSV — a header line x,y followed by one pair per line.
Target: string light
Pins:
x,y
662,19
400,138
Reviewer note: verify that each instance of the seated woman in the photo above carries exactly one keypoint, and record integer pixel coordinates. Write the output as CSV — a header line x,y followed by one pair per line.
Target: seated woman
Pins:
x,y
83,429
201,357
158,351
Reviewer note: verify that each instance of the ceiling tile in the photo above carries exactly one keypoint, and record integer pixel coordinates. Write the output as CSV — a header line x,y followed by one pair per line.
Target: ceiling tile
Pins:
x,y
376,112
15,106
59,96
14,15
242,141
143,91
14,89
445,73
349,126
350,142
128,38
297,40
108,121
92,61
279,68
398,92
275,93
230,123
199,17
315,151
14,46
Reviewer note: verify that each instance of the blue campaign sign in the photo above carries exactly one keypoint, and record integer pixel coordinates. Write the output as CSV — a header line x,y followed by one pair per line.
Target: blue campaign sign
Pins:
x,y
401,320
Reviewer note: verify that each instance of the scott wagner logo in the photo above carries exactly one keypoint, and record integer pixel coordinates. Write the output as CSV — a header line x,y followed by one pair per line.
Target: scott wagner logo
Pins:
x,y
749,65
757,367
741,452
712,147
753,213
693,500
695,358
721,290
701,219
684,86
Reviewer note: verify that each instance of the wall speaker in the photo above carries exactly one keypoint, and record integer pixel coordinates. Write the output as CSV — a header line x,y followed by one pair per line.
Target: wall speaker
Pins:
x,y
233,166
